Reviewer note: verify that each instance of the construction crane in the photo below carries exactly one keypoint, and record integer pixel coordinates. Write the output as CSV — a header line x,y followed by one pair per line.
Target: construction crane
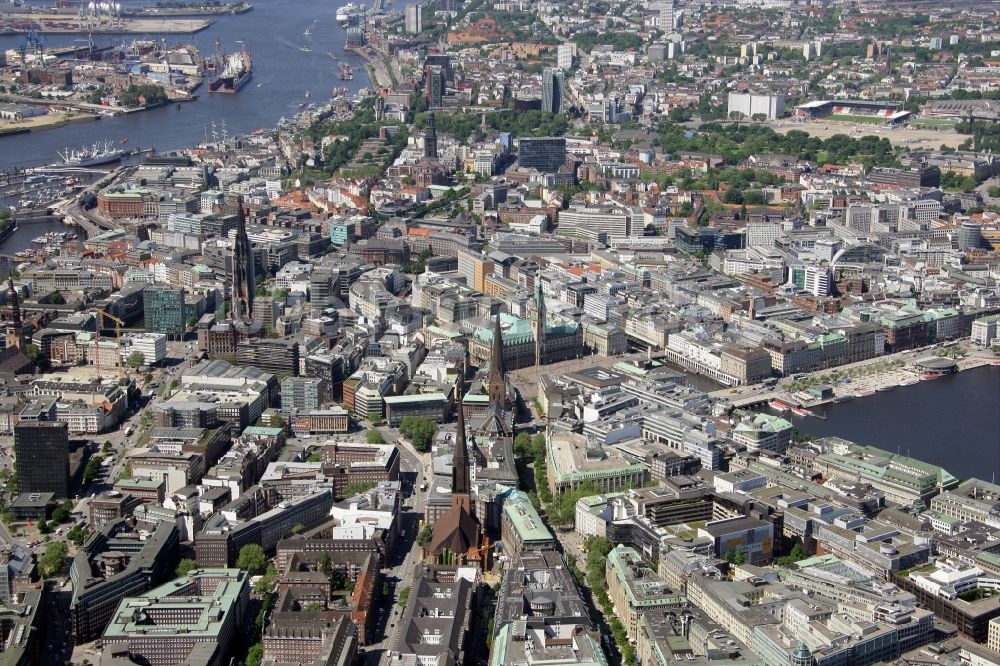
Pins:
x,y
101,314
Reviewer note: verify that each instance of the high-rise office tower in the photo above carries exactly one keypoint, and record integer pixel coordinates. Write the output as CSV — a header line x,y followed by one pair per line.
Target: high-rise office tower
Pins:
x,y
553,83
435,81
414,19
42,457
163,310
15,328
545,153
243,269
667,15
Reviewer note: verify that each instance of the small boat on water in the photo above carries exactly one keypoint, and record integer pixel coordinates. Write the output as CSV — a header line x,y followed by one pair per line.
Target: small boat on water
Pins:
x,y
305,49
779,406
801,411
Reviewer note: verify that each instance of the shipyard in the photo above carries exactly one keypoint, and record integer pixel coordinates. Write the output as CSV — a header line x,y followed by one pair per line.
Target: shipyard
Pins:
x,y
45,88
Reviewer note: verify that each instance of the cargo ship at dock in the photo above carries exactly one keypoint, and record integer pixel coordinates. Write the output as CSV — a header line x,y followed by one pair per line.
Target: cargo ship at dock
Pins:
x,y
99,153
229,72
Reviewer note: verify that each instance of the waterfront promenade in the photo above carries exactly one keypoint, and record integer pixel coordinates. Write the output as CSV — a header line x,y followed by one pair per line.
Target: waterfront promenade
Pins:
x,y
864,377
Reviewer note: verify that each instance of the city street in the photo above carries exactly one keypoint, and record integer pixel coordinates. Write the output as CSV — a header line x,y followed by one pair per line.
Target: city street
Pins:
x,y
400,570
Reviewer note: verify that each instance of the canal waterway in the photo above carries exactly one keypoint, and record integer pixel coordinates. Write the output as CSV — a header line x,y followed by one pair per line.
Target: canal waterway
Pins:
x,y
286,64
953,421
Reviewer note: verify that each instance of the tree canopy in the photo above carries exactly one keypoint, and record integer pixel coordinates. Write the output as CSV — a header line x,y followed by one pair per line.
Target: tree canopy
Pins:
x,y
51,563
357,488
252,559
136,360
186,565
420,430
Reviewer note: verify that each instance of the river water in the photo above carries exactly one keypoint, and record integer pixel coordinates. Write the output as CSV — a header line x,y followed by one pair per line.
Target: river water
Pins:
x,y
953,421
282,73
25,233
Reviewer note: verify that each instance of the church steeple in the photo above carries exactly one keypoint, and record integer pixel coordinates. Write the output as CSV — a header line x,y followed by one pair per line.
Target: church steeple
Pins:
x,y
457,538
460,486
498,375
15,327
430,136
243,269
540,318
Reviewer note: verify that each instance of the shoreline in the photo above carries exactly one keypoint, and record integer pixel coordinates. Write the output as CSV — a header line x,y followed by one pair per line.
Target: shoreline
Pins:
x,y
376,68
192,11
55,124
69,25
883,377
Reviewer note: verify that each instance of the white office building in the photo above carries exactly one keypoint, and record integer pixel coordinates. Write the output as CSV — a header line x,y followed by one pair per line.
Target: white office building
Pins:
x,y
152,345
763,234
817,280
750,104
667,19
564,57
414,19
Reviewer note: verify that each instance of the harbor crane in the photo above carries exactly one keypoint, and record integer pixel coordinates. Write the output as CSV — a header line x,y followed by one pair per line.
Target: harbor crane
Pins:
x,y
36,41
101,314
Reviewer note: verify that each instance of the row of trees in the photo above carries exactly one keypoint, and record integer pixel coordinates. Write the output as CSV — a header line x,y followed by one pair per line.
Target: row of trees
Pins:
x,y
524,123
735,143
597,554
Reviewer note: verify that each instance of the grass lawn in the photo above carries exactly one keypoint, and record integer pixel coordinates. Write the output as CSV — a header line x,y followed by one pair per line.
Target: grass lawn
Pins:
x,y
933,123
847,118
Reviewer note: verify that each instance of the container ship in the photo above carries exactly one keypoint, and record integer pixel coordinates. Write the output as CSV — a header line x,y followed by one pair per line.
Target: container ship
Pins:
x,y
231,71
99,153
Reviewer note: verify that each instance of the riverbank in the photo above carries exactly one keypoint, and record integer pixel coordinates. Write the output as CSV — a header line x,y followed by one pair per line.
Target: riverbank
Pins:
x,y
281,72
193,10
51,120
62,24
378,72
